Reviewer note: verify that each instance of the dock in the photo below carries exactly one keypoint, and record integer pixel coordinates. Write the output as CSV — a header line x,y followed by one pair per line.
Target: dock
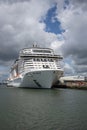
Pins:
x,y
78,82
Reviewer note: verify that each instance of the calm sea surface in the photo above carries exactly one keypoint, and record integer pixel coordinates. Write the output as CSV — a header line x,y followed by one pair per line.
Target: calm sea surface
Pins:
x,y
43,109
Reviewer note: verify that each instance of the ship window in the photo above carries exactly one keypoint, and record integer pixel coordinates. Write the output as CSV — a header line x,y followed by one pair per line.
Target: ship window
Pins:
x,y
38,59
45,66
45,59
42,51
51,60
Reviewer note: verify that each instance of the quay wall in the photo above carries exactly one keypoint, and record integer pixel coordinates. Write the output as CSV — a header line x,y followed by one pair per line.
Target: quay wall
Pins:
x,y
72,84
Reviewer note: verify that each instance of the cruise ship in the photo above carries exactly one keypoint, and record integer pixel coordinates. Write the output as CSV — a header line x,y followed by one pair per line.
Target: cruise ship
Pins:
x,y
36,67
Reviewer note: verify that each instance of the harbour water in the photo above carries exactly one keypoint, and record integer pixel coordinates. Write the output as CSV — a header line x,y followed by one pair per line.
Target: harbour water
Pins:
x,y
43,109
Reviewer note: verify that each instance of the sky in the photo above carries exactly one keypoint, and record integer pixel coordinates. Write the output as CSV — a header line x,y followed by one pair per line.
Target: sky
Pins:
x,y
57,24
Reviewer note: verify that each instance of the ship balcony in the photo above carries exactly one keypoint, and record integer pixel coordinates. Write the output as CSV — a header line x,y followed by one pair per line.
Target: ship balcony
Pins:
x,y
41,56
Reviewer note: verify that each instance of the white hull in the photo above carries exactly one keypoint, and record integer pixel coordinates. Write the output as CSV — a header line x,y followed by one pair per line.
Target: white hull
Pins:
x,y
37,79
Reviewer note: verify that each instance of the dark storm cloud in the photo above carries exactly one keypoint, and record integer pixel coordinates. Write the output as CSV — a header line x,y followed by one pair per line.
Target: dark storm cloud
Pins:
x,y
80,69
8,46
78,55
8,53
79,3
78,52
10,28
12,1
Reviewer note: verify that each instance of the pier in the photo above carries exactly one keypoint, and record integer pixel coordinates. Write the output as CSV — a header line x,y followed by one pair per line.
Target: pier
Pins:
x,y
78,82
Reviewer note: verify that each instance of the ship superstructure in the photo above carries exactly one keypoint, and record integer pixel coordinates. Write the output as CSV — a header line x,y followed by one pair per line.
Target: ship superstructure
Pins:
x,y
36,68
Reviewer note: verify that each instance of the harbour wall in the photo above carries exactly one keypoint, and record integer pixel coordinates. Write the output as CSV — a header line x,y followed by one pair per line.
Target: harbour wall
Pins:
x,y
72,84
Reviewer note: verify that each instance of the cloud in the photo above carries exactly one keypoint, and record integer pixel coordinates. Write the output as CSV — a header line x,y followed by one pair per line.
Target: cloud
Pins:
x,y
74,21
12,1
20,26
80,3
68,69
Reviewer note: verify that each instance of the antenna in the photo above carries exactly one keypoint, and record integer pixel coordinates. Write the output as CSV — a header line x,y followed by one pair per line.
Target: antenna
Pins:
x,y
35,44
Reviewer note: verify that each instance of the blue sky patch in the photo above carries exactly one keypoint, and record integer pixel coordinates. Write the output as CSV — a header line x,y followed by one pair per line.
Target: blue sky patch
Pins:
x,y
52,23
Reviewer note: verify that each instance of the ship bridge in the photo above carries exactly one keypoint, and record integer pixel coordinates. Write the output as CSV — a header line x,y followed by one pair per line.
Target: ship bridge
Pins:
x,y
27,51
38,52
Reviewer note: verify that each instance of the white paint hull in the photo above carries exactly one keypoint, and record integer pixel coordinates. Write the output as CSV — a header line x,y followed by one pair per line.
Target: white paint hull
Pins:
x,y
37,79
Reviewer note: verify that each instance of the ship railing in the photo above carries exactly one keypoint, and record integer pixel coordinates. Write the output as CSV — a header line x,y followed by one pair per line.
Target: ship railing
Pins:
x,y
42,55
